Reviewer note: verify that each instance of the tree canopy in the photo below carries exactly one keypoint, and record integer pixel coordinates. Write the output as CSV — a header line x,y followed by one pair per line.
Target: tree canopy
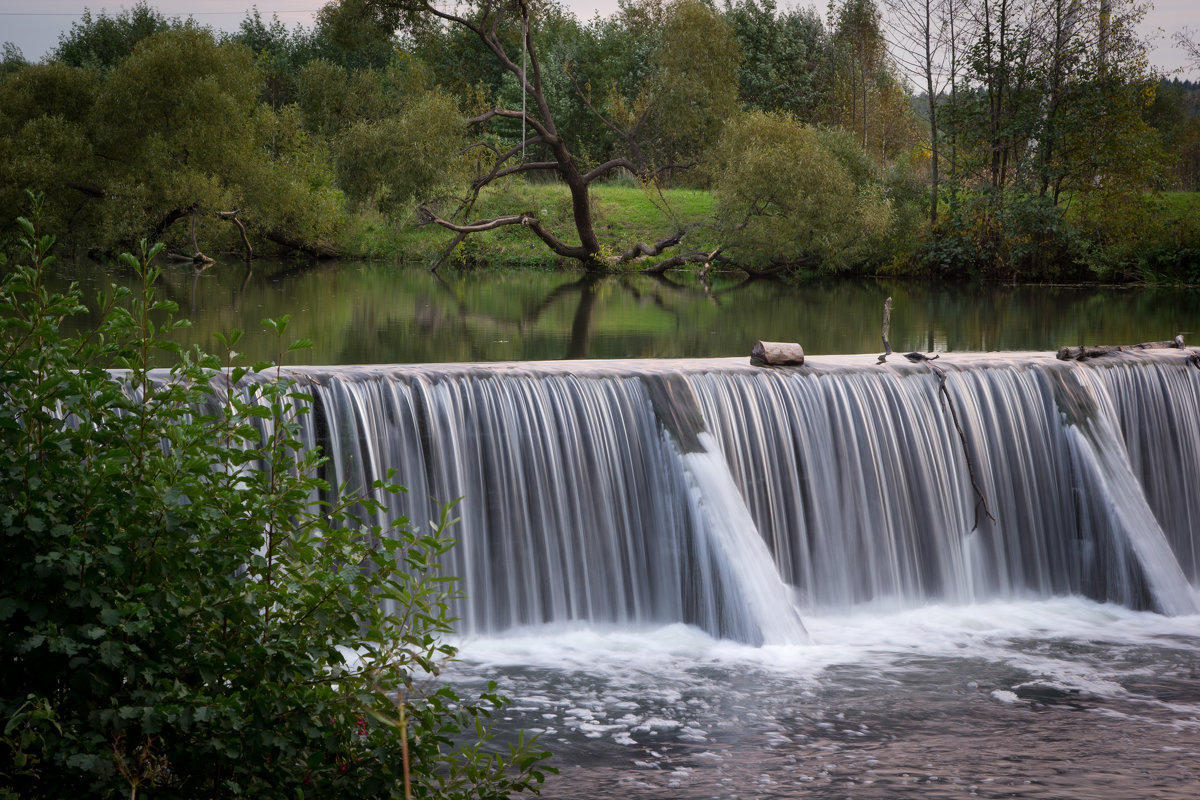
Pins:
x,y
998,124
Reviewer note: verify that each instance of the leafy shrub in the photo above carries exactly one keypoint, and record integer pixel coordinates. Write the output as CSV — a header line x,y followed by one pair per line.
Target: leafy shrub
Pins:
x,y
179,616
996,237
784,198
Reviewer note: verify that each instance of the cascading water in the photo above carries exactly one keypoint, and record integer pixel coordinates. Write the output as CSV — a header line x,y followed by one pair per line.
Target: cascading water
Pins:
x,y
587,500
967,546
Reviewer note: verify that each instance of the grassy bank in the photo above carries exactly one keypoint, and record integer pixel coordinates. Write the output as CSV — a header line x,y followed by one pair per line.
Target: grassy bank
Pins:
x,y
1156,242
623,214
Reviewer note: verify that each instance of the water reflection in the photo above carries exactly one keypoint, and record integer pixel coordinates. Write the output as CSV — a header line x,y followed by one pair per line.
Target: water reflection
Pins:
x,y
359,312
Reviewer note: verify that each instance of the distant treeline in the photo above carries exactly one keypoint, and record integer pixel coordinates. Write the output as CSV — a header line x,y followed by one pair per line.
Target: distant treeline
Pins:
x,y
1025,140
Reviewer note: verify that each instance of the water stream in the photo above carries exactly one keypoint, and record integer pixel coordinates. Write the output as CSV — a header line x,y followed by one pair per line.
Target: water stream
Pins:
x,y
701,579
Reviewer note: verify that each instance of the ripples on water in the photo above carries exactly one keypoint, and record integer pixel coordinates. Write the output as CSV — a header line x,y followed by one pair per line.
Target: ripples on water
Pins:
x,y
1049,699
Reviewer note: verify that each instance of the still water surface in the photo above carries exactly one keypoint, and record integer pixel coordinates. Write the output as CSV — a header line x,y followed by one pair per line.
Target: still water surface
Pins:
x,y
371,313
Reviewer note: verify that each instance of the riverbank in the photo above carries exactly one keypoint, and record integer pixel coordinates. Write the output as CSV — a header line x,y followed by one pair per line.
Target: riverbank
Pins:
x,y
1157,243
625,213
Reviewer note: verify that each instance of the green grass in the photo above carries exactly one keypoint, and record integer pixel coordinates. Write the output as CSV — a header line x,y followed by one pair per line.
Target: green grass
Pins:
x,y
622,214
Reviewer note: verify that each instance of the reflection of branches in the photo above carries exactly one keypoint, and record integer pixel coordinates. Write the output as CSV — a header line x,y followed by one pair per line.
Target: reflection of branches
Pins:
x,y
531,313
581,323
708,292
196,273
465,314
241,290
577,346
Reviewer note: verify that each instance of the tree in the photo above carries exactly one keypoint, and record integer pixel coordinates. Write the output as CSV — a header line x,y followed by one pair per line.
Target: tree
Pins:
x,y
45,142
1188,41
786,201
11,59
921,33
180,135
504,30
865,96
782,57
404,155
687,99
103,41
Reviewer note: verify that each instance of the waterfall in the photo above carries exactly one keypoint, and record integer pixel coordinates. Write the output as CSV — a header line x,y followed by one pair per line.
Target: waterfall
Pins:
x,y
642,493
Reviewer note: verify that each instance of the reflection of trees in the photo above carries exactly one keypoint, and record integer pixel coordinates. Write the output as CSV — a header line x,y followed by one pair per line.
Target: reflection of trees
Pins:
x,y
369,313
662,290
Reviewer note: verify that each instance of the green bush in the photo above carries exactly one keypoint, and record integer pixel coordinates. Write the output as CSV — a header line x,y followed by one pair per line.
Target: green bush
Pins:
x,y
179,616
785,199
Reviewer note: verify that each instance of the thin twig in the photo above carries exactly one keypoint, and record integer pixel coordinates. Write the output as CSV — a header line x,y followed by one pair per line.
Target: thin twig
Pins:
x,y
947,404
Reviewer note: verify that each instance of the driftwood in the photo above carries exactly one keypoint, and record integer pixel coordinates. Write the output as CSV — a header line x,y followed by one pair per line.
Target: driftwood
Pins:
x,y
887,323
776,354
948,405
197,256
1082,353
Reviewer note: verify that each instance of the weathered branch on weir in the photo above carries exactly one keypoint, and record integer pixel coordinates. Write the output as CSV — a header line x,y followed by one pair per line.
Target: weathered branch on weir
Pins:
x,y
948,404
1083,353
887,323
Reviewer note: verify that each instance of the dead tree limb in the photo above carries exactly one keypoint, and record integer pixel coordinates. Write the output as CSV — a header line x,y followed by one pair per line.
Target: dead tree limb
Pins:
x,y
525,218
643,250
887,323
232,216
197,256
948,405
694,257
1082,353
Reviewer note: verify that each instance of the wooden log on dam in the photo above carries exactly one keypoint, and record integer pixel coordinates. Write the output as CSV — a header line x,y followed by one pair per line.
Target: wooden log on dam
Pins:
x,y
1082,353
776,354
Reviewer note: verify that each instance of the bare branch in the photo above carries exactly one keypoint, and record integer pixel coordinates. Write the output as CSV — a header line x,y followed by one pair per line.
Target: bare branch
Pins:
x,y
643,250
685,258
526,219
535,123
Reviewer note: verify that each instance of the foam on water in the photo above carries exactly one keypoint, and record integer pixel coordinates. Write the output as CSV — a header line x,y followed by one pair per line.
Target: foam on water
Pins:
x,y
855,705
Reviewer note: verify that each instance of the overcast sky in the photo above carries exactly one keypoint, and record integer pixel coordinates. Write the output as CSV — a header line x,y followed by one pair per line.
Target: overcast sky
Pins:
x,y
34,25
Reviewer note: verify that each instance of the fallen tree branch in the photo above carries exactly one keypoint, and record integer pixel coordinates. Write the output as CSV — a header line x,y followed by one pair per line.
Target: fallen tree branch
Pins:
x,y
684,258
887,323
314,250
947,404
643,250
1082,353
232,216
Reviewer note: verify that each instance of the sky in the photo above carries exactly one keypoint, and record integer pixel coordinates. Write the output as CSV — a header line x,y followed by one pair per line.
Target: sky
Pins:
x,y
34,25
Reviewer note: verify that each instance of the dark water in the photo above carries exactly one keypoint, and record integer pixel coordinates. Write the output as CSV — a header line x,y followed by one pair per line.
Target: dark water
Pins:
x,y
359,313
